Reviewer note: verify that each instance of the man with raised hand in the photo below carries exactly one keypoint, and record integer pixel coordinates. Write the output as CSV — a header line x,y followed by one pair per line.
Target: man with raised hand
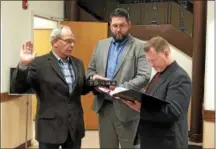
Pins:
x,y
58,80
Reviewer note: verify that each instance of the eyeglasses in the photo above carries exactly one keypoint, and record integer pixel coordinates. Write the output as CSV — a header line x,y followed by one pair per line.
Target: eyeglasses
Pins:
x,y
115,26
68,41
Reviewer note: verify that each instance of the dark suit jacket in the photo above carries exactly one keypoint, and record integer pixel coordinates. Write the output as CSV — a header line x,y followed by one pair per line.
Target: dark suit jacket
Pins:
x,y
166,127
58,112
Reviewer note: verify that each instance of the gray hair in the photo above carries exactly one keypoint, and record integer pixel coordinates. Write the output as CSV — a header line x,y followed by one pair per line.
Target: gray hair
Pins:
x,y
55,34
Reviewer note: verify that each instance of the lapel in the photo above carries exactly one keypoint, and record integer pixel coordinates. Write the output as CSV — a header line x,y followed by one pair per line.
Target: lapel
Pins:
x,y
75,69
106,46
164,76
124,53
54,64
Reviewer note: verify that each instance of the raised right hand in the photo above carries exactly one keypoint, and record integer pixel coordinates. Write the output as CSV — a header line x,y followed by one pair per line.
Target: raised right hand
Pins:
x,y
26,53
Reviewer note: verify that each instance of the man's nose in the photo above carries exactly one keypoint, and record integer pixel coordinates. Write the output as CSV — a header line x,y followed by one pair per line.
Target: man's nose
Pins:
x,y
72,44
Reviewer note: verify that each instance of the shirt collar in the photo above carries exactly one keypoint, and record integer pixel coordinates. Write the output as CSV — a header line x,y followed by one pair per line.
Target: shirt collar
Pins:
x,y
59,59
167,67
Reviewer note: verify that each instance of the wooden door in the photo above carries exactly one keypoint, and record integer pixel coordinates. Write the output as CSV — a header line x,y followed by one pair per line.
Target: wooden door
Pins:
x,y
41,46
87,35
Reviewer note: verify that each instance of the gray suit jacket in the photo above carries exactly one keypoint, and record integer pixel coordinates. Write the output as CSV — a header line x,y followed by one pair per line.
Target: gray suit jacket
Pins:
x,y
133,72
166,127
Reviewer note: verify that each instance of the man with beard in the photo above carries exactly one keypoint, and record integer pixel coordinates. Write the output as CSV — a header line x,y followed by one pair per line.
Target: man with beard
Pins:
x,y
120,58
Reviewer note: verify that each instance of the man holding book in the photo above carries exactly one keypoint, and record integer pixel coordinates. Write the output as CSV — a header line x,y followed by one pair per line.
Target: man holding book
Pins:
x,y
120,58
164,126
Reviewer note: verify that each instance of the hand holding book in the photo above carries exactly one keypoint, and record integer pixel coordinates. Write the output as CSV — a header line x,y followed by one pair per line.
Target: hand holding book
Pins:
x,y
116,92
133,97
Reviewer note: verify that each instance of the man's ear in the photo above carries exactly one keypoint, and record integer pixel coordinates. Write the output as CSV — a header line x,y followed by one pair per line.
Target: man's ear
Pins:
x,y
110,24
129,24
54,43
166,52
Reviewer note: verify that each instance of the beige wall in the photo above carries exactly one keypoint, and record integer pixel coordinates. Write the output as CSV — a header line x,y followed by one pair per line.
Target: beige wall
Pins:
x,y
209,101
17,27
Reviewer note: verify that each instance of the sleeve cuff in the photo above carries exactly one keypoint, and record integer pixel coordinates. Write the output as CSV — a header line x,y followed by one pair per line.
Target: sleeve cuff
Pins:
x,y
22,67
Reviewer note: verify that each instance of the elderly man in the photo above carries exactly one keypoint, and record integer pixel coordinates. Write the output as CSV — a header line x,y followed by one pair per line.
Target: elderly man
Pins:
x,y
59,81
164,127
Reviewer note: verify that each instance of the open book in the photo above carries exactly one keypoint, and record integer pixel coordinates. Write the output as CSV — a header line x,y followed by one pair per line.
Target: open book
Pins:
x,y
111,92
132,95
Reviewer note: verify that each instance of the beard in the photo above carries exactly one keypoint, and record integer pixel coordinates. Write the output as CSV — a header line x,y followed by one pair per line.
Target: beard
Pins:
x,y
120,38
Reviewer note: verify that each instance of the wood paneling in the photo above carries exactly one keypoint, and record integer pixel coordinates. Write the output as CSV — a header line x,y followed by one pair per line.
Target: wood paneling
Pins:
x,y
70,10
174,36
208,135
87,35
13,121
41,46
198,70
41,41
85,16
209,116
22,146
5,97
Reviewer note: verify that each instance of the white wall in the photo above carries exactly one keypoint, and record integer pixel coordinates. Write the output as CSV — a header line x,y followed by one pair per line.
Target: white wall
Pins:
x,y
40,23
209,127
182,59
209,67
16,28
49,8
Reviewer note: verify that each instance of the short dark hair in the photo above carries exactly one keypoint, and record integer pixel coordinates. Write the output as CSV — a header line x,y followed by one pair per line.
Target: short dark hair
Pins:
x,y
120,12
158,43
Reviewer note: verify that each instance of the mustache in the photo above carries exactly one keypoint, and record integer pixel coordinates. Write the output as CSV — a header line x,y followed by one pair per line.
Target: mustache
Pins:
x,y
122,37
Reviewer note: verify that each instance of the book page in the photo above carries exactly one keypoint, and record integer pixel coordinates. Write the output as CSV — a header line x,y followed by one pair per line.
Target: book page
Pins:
x,y
118,90
104,89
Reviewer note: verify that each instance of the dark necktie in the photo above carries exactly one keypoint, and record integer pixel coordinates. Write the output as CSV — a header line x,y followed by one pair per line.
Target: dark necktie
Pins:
x,y
153,82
